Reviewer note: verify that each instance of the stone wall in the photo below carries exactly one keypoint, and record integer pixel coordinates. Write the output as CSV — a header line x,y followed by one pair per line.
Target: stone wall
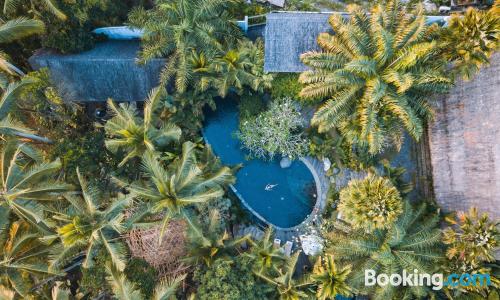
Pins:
x,y
464,142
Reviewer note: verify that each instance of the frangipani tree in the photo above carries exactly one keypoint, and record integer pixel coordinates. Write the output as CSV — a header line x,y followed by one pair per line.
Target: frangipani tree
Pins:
x,y
91,223
374,75
276,131
186,181
128,131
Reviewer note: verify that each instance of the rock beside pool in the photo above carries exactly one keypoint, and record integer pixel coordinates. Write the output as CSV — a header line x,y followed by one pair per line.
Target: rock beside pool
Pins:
x,y
285,162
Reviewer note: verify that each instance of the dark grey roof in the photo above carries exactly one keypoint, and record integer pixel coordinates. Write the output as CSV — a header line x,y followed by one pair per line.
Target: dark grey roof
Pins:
x,y
288,35
107,71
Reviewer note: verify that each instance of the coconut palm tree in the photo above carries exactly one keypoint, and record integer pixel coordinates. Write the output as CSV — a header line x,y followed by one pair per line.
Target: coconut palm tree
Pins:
x,y
90,223
413,242
289,288
470,39
207,243
173,29
27,181
50,5
183,183
329,280
8,125
264,254
135,135
375,75
240,67
21,255
123,289
16,29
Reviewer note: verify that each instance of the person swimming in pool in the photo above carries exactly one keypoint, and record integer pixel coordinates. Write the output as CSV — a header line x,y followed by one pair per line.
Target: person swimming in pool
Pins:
x,y
269,187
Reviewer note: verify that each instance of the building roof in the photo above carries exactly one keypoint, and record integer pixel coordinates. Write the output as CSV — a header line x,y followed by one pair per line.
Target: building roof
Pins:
x,y
109,70
288,35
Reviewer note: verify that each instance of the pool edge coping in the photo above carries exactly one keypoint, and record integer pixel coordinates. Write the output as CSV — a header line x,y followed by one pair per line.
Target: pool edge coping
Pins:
x,y
318,206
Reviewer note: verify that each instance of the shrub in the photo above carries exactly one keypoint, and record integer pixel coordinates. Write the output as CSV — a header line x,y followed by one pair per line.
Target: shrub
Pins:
x,y
228,280
276,131
142,275
286,85
371,203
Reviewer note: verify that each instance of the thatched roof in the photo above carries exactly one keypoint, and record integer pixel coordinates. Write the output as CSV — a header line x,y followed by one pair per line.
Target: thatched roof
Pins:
x,y
288,35
464,144
108,70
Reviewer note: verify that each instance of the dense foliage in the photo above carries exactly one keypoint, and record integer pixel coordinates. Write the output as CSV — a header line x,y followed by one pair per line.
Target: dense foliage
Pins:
x,y
78,198
374,76
229,280
412,242
371,203
470,40
276,131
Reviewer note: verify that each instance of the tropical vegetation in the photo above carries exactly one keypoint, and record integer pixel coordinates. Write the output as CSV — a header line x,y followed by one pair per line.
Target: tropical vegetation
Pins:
x,y
374,76
276,131
371,203
412,242
136,205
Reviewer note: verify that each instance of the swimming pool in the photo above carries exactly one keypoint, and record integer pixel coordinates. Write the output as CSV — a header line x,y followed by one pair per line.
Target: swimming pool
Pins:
x,y
289,197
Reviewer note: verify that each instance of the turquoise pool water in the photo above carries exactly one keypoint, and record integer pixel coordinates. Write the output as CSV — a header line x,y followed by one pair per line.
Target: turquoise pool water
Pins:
x,y
290,200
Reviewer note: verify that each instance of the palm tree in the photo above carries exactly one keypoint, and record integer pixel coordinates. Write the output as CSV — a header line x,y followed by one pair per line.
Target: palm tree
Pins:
x,y
471,241
174,29
126,130
26,181
240,67
21,255
413,242
370,203
123,289
184,182
50,5
330,281
287,287
470,39
8,125
14,30
265,255
207,243
89,224
377,72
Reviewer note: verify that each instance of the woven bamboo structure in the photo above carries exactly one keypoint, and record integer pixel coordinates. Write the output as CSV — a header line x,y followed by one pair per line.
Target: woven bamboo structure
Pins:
x,y
165,257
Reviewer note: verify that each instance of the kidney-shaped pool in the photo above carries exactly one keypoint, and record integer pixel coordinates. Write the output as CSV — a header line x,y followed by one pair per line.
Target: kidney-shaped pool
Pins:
x,y
283,197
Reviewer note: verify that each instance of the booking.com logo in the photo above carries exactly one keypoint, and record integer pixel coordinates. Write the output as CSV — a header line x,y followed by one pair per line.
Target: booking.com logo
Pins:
x,y
437,280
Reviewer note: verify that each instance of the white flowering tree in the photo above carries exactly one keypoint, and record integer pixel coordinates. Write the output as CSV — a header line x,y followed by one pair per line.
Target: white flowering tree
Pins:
x,y
276,131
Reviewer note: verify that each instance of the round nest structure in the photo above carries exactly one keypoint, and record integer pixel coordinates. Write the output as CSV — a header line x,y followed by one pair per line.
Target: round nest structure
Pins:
x,y
165,257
